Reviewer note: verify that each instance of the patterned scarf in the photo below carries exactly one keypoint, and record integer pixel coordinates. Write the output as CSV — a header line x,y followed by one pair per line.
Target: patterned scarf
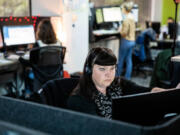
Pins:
x,y
104,102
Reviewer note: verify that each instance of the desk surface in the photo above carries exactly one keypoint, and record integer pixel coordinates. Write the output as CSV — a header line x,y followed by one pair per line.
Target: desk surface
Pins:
x,y
163,44
101,32
8,65
11,62
175,58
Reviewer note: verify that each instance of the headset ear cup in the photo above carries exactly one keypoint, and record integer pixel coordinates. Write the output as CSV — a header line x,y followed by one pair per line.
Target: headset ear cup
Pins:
x,y
88,70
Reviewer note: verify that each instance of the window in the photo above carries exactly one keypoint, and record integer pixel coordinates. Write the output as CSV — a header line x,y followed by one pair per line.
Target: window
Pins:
x,y
14,8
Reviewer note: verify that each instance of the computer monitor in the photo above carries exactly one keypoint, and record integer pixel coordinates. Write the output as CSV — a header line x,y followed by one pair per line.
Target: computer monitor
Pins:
x,y
171,30
146,109
112,14
1,40
135,12
18,35
156,27
99,16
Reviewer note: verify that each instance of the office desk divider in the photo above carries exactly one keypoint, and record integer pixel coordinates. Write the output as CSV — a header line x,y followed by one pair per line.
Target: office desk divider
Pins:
x,y
12,129
59,121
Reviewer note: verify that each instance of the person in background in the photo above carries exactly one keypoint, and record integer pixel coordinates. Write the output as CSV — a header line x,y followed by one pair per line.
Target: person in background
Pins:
x,y
143,51
164,29
45,34
127,42
98,85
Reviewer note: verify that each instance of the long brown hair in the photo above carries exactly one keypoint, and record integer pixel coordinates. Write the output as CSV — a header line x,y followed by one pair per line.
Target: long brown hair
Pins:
x,y
45,32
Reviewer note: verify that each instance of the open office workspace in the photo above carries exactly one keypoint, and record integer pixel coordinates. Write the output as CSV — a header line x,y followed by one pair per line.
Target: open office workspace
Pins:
x,y
59,67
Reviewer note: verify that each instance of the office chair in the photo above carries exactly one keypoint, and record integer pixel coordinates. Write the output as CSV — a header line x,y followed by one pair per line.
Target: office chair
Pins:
x,y
55,92
162,71
47,64
142,58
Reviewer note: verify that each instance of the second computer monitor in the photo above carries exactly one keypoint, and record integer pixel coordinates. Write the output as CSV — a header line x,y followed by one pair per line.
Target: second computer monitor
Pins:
x,y
147,109
171,30
112,14
18,35
99,16
156,27
1,40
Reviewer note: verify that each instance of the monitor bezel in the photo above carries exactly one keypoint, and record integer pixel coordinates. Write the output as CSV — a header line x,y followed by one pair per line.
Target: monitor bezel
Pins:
x,y
17,44
106,7
156,106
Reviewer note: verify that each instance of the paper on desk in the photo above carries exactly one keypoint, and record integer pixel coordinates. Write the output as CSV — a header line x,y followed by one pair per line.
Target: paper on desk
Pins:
x,y
176,58
13,57
4,61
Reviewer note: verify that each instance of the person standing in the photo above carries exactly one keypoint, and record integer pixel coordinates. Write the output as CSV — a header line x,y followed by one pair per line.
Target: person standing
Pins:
x,y
127,42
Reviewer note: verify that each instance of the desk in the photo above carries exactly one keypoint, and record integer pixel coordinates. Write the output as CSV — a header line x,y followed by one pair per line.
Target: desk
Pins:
x,y
110,32
176,70
162,44
175,58
9,74
103,32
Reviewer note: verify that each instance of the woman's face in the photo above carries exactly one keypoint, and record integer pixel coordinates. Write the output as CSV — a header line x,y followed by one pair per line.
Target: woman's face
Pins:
x,y
103,76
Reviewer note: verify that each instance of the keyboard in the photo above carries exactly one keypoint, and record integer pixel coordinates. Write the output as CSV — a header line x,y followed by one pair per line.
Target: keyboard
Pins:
x,y
13,57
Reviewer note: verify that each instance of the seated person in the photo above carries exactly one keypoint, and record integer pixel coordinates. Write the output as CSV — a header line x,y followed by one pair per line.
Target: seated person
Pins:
x,y
143,47
164,29
98,85
45,34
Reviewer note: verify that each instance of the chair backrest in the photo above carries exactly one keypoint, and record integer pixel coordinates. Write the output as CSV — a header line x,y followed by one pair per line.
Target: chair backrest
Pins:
x,y
47,64
56,92
47,55
162,71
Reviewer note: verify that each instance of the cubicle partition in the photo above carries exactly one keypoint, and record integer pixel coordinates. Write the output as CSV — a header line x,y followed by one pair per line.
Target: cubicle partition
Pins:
x,y
12,129
56,121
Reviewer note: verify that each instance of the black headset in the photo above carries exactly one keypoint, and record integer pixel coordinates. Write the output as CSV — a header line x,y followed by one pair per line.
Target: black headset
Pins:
x,y
88,66
88,69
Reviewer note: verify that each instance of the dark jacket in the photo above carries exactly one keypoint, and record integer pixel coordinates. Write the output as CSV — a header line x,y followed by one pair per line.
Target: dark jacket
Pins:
x,y
81,104
162,70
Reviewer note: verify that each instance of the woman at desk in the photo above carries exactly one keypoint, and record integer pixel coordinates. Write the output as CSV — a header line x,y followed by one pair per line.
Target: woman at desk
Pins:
x,y
98,85
127,42
45,34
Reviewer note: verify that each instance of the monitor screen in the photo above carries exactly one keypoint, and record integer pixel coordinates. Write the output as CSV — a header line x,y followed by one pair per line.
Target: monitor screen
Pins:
x,y
1,40
99,16
147,108
171,30
18,35
178,33
135,12
112,14
156,27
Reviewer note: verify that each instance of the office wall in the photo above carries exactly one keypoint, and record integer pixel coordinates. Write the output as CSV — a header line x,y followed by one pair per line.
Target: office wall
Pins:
x,y
46,7
75,26
144,11
162,9
156,10
74,23
168,9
